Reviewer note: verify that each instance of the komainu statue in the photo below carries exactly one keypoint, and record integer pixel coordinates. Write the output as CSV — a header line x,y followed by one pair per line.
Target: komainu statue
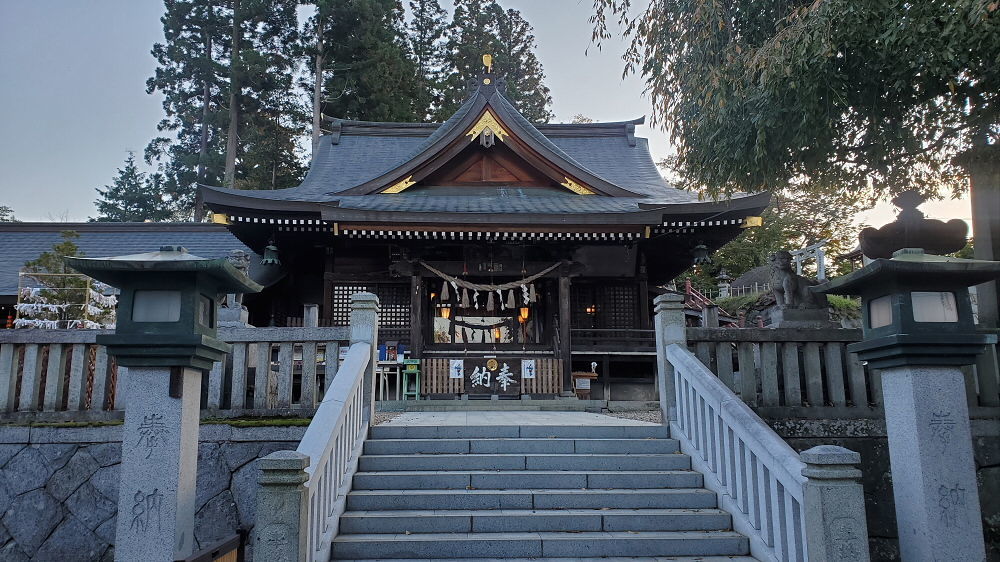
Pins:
x,y
790,289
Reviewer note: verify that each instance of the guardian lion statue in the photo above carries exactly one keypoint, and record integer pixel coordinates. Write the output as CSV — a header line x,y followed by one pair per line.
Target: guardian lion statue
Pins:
x,y
792,290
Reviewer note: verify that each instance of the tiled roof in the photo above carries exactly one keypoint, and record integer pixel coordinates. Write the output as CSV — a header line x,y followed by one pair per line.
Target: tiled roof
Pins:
x,y
22,242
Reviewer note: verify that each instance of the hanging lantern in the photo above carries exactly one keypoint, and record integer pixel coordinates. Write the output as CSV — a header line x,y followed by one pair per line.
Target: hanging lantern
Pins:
x,y
270,255
433,296
701,254
496,334
522,314
591,310
446,312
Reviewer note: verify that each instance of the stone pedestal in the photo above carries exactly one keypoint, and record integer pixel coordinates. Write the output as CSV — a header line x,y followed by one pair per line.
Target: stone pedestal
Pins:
x,y
808,318
237,317
156,497
933,471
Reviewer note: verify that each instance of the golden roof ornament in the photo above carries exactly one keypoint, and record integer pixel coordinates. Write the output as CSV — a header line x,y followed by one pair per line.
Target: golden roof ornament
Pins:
x,y
488,63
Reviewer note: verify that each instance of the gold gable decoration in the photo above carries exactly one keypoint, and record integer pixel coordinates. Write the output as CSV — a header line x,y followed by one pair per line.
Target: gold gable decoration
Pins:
x,y
576,188
487,121
401,185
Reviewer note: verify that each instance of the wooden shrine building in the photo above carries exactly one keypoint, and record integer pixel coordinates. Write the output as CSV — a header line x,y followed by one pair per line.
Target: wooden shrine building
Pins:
x,y
487,237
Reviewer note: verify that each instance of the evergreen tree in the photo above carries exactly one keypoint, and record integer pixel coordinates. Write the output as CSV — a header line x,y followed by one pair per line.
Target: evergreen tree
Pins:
x,y
6,214
133,197
191,76
426,34
369,73
481,27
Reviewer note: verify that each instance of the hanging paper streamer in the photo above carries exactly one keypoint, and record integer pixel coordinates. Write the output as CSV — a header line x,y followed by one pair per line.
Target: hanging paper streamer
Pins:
x,y
532,294
524,294
500,298
489,302
510,300
444,292
475,300
465,298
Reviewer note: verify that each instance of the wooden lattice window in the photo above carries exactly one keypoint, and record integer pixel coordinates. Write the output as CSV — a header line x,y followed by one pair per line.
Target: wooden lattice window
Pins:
x,y
614,306
394,307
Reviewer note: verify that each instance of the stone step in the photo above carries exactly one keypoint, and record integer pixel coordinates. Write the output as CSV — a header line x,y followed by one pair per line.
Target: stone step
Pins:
x,y
525,479
520,445
525,431
578,559
518,521
379,463
528,545
499,406
658,498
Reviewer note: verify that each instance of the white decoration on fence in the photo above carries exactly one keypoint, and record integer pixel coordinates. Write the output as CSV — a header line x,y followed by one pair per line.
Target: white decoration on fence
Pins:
x,y
456,369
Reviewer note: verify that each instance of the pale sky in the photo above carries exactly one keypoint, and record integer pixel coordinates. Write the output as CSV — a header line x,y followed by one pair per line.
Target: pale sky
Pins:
x,y
73,99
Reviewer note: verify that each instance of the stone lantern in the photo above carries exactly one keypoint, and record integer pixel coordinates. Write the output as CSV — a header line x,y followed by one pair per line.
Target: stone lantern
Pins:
x,y
918,328
166,336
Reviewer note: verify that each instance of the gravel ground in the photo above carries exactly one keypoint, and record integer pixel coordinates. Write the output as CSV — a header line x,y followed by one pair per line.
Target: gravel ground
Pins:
x,y
654,416
382,417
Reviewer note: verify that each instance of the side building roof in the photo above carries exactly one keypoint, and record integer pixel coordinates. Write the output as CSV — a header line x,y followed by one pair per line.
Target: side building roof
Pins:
x,y
25,241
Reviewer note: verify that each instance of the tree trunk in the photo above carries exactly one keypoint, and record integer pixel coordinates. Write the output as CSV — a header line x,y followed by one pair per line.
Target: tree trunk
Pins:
x,y
199,202
318,83
983,164
234,98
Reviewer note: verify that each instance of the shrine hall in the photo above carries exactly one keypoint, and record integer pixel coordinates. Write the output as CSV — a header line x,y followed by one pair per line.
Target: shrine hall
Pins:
x,y
490,241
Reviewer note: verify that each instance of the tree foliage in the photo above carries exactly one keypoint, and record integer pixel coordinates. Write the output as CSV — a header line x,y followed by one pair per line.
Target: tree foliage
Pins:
x,y
425,34
834,95
480,27
133,197
6,214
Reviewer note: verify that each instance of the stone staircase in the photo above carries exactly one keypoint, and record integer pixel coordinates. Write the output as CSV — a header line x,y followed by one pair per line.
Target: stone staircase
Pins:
x,y
531,492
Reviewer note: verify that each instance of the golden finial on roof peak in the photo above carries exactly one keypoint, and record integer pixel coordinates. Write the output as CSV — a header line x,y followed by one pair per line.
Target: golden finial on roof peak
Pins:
x,y
488,62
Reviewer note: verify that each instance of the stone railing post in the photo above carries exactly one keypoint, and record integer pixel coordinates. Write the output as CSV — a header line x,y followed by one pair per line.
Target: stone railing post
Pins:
x,y
670,327
310,316
281,531
364,328
834,505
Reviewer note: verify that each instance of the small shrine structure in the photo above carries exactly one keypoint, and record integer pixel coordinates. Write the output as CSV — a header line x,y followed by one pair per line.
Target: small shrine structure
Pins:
x,y
488,239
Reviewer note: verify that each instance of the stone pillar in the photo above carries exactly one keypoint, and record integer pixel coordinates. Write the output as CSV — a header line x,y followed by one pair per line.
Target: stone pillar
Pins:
x,y
364,329
933,471
159,464
710,316
670,328
280,530
310,316
834,505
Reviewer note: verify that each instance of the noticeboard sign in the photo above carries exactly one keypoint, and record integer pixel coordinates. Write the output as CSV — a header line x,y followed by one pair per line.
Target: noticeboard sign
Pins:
x,y
500,376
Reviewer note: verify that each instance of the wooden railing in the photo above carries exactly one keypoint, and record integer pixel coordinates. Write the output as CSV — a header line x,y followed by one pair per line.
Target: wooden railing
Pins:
x,y
65,374
792,372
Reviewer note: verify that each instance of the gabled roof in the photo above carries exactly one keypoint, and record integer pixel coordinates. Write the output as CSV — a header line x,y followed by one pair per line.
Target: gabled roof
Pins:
x,y
358,161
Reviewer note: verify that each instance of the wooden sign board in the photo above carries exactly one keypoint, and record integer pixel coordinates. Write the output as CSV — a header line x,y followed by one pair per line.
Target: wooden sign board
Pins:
x,y
500,376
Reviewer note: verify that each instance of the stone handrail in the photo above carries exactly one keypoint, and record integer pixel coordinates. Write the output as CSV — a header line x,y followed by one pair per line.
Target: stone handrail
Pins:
x,y
64,374
790,506
303,492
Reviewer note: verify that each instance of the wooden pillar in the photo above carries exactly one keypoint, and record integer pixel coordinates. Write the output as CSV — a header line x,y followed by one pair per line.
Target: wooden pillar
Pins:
x,y
417,316
565,345
643,288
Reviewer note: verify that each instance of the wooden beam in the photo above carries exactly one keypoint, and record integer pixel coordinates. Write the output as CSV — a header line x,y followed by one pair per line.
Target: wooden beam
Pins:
x,y
417,316
565,345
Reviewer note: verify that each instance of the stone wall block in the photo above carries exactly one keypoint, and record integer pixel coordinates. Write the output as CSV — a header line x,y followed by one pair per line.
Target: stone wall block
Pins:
x,y
90,506
244,489
58,454
106,454
213,474
105,480
5,496
106,531
31,518
67,479
238,454
72,541
12,553
7,452
27,471
217,520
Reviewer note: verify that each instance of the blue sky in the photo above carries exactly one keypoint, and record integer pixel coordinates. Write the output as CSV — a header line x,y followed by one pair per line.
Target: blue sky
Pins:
x,y
73,99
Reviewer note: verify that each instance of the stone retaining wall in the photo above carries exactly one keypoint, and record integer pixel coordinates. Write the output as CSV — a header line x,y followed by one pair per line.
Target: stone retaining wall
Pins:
x,y
868,437
59,487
